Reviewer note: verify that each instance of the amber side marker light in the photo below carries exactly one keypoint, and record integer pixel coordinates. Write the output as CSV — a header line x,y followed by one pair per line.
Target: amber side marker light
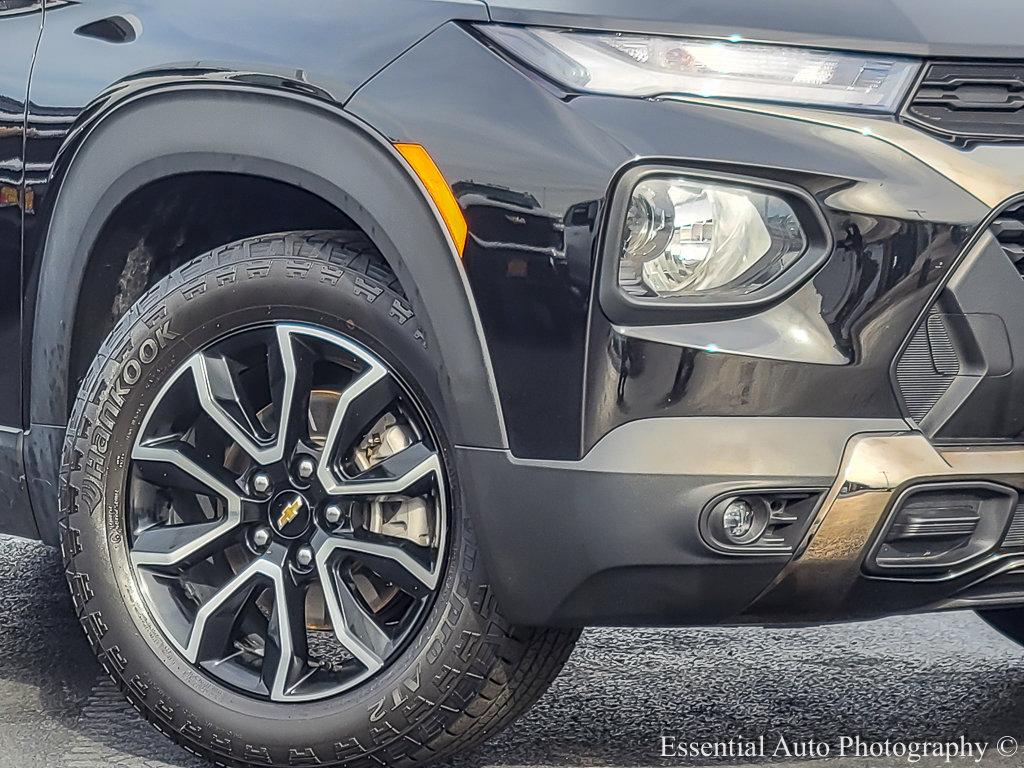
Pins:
x,y
425,167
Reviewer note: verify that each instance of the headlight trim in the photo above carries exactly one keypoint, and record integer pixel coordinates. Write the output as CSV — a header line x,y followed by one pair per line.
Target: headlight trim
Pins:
x,y
622,308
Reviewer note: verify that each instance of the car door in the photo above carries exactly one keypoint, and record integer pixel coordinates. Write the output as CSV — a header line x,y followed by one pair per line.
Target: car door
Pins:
x,y
20,23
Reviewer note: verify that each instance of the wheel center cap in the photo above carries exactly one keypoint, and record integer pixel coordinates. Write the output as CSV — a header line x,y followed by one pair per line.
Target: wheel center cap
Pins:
x,y
290,514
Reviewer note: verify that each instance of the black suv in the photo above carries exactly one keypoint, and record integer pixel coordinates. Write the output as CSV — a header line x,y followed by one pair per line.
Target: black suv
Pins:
x,y
358,353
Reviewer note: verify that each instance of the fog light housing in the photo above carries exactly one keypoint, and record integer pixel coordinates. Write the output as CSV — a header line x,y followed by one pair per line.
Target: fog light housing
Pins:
x,y
761,522
689,237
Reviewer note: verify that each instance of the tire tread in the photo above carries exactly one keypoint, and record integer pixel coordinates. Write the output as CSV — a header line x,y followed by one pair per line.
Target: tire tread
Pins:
x,y
503,668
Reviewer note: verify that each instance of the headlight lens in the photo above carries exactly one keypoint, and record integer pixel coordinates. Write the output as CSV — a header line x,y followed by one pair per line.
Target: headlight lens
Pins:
x,y
685,237
648,65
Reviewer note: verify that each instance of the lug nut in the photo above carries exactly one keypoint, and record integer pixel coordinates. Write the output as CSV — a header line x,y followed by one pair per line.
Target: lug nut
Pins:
x,y
333,514
261,482
304,557
305,468
261,537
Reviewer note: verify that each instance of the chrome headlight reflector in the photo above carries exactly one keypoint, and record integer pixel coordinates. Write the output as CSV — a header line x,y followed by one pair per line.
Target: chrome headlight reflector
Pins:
x,y
686,237
621,64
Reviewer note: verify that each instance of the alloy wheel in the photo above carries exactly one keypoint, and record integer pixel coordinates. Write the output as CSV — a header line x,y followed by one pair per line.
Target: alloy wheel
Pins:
x,y
287,513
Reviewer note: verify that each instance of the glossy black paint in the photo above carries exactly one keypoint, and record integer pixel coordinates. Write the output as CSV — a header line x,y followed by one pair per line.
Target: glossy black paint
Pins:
x,y
534,194
265,89
20,24
534,201
20,27
881,275
890,254
85,67
530,263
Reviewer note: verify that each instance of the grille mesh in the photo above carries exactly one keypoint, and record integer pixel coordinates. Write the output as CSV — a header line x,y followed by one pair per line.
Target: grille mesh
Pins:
x,y
1015,533
964,101
1009,231
928,366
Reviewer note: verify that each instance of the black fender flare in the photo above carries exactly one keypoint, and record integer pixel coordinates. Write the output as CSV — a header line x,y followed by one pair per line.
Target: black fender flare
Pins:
x,y
195,126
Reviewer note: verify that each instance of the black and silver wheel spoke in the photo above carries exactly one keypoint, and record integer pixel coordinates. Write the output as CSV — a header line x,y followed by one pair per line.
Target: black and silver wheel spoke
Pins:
x,y
171,545
375,391
278,460
366,395
396,474
356,630
293,368
231,409
284,660
215,620
392,560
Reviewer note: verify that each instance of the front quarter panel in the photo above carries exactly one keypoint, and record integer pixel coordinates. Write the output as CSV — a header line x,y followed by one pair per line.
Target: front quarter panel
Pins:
x,y
533,167
287,71
313,49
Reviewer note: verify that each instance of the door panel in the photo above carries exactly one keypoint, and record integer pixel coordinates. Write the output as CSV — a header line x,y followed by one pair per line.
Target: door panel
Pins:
x,y
19,30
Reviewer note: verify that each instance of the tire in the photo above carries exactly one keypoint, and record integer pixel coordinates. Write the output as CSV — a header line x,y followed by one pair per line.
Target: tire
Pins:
x,y
464,674
1009,622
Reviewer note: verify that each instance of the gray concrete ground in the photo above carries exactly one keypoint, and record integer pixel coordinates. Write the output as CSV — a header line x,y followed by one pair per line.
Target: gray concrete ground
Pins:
x,y
929,678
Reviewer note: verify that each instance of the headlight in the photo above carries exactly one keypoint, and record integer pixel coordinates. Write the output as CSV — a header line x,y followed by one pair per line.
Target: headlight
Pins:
x,y
647,65
685,237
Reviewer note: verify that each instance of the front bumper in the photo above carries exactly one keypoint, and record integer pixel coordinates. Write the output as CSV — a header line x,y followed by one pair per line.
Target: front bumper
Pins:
x,y
616,539
827,581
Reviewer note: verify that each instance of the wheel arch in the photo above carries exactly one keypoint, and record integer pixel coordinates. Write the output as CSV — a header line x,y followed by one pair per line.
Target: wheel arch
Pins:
x,y
290,138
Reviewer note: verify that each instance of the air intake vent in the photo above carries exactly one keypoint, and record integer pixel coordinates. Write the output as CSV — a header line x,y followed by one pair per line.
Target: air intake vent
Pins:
x,y
1008,229
963,101
938,527
927,367
1015,533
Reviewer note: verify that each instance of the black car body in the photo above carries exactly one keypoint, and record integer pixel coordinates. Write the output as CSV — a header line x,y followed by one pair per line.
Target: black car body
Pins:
x,y
869,397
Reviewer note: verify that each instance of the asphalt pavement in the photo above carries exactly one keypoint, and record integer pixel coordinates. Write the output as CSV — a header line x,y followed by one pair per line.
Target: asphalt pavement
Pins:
x,y
626,698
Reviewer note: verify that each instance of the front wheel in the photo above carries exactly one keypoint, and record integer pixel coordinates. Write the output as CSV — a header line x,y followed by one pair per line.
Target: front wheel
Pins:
x,y
263,529
1009,622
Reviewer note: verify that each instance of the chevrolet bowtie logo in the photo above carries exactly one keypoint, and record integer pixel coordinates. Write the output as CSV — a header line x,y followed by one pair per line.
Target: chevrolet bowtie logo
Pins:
x,y
290,512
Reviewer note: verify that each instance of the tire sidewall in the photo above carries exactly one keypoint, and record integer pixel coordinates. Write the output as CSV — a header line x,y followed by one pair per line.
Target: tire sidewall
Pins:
x,y
184,313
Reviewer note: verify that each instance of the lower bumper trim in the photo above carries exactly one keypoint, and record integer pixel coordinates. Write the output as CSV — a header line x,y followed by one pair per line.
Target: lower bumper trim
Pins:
x,y
826,581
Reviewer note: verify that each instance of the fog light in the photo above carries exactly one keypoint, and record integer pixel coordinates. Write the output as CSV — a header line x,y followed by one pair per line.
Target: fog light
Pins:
x,y
740,520
737,519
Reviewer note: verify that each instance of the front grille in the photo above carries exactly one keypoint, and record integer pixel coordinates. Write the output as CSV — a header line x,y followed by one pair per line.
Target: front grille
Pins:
x,y
964,101
1008,229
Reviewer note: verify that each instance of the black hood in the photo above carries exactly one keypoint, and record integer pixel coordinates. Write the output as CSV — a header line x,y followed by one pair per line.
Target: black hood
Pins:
x,y
960,28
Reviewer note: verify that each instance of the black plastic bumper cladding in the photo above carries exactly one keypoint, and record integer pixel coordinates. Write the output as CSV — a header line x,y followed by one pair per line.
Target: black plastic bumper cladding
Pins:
x,y
619,548
616,538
